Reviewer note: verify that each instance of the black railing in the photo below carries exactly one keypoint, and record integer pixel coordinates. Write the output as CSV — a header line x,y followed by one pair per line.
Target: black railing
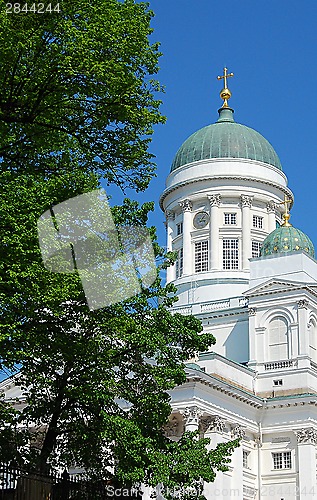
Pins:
x,y
19,484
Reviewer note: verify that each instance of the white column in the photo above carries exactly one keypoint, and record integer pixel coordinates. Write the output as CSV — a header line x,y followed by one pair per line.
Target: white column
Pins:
x,y
306,450
270,207
186,206
170,217
214,200
236,485
246,203
215,434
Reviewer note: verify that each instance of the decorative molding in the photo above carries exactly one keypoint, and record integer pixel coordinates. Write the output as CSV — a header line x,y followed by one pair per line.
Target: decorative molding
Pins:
x,y
191,415
252,311
308,435
302,304
222,177
218,424
246,201
169,215
237,432
230,390
186,205
214,200
271,207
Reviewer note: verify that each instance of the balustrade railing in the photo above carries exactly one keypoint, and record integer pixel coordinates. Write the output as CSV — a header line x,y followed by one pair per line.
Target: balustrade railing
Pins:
x,y
279,365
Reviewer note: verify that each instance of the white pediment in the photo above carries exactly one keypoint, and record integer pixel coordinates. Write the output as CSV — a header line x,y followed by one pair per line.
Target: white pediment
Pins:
x,y
272,286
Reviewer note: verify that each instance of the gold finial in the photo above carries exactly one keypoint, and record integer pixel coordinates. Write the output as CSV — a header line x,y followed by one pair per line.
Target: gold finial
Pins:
x,y
286,215
225,93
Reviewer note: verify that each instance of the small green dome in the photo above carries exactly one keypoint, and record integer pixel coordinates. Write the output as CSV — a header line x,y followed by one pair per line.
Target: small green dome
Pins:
x,y
285,239
226,139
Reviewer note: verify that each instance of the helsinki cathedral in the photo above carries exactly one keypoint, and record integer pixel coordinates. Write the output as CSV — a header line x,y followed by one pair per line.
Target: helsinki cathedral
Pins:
x,y
251,278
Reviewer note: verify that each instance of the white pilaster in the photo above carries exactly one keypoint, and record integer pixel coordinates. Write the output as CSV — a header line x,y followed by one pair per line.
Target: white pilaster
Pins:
x,y
186,207
214,200
170,217
215,434
253,338
246,203
270,207
306,449
303,334
236,485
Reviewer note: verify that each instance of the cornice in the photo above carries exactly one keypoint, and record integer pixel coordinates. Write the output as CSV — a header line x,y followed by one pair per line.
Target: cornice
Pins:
x,y
225,388
246,397
167,191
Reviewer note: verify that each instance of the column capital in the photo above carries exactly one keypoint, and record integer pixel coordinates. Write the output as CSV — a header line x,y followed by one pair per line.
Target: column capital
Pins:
x,y
212,423
252,311
214,199
308,435
169,215
191,414
302,304
237,431
218,424
271,206
186,205
246,200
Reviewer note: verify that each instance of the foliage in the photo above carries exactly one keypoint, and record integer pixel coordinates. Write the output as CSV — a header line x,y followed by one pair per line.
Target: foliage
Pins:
x,y
77,86
77,103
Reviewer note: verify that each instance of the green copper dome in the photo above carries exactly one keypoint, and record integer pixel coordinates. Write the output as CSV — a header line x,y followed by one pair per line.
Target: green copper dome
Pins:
x,y
286,239
226,139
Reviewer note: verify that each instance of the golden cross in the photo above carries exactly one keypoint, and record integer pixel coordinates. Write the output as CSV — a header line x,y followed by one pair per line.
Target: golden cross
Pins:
x,y
286,215
225,76
287,201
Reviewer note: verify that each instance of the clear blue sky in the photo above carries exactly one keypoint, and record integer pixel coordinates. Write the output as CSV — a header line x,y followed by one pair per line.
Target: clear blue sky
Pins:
x,y
271,47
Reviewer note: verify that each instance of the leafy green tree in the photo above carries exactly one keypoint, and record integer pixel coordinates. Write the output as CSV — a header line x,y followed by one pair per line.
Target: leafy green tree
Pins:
x,y
78,86
78,103
96,382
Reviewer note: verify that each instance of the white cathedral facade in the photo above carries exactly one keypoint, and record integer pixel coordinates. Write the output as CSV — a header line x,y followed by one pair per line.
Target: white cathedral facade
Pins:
x,y
251,278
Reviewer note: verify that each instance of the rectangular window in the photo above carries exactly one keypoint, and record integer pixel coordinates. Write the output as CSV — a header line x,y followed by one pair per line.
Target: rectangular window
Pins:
x,y
258,221
245,458
256,247
179,263
278,382
230,254
201,256
179,228
282,460
231,218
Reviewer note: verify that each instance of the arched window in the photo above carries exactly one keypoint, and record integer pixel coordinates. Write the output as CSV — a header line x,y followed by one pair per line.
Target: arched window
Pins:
x,y
313,340
278,339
